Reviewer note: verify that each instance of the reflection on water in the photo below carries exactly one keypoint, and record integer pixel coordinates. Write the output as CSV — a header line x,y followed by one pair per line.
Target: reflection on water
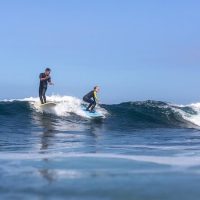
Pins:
x,y
65,136
47,136
48,131
58,134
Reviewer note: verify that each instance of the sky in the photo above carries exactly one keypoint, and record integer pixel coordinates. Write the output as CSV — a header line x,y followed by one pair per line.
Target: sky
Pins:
x,y
135,50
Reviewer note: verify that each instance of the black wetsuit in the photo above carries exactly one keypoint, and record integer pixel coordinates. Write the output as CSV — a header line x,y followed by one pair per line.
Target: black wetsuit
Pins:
x,y
43,87
91,99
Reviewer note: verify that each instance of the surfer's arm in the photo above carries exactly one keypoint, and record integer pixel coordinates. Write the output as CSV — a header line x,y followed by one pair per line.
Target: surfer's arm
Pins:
x,y
49,81
43,78
96,97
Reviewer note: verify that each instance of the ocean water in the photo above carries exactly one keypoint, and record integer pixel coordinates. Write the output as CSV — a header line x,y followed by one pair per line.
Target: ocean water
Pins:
x,y
140,151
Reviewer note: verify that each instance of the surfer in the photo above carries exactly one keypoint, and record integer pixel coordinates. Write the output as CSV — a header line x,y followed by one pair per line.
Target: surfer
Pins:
x,y
45,79
92,99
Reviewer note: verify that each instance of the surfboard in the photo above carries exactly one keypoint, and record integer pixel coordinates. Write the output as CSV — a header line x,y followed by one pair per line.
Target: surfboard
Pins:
x,y
93,115
48,105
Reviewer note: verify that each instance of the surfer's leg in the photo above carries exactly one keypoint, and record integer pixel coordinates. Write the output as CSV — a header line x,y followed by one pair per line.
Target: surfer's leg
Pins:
x,y
93,105
88,101
91,102
40,95
44,94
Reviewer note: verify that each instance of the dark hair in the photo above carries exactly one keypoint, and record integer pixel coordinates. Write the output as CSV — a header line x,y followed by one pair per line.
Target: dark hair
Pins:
x,y
96,87
47,69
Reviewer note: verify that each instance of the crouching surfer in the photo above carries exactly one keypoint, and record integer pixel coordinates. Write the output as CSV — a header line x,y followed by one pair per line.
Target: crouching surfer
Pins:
x,y
92,99
45,79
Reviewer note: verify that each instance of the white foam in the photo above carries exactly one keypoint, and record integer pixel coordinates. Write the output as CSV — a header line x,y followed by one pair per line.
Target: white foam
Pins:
x,y
65,106
193,118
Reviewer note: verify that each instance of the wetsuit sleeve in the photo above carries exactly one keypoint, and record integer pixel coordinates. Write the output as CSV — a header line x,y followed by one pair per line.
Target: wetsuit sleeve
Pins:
x,y
41,76
95,96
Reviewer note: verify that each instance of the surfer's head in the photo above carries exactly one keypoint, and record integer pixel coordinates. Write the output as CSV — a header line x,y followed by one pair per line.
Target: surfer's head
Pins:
x,y
47,71
96,88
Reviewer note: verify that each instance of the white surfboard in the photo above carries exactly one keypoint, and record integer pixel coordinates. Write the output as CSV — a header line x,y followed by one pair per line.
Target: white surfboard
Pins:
x,y
48,105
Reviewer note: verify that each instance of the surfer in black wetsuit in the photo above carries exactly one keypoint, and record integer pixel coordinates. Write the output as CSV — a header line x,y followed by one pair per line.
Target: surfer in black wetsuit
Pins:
x,y
45,79
92,99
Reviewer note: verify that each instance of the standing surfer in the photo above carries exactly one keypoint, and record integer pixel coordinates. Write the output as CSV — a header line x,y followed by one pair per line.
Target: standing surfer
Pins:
x,y
45,79
92,98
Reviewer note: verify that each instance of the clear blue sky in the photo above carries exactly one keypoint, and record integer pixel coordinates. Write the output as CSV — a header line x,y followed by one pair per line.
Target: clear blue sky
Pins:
x,y
135,50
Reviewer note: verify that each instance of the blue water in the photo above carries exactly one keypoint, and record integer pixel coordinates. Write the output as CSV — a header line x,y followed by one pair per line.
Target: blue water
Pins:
x,y
140,151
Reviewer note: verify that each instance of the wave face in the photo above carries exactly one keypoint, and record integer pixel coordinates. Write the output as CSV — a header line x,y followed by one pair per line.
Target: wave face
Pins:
x,y
143,114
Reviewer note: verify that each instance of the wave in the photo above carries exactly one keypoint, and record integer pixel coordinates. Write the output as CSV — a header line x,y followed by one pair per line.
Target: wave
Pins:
x,y
157,114
130,114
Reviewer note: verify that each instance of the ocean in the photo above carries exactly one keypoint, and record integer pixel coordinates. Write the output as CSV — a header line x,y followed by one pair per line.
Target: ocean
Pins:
x,y
140,151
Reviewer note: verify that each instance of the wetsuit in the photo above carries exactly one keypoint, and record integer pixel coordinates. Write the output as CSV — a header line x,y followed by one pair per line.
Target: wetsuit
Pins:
x,y
43,88
91,98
